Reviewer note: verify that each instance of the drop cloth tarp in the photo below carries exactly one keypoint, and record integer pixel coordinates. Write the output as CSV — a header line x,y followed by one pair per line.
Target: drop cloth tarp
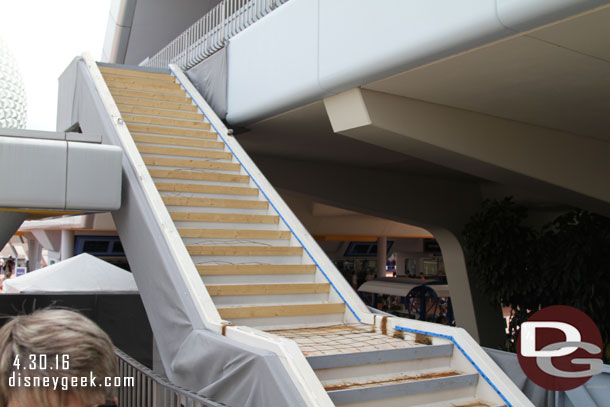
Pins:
x,y
83,273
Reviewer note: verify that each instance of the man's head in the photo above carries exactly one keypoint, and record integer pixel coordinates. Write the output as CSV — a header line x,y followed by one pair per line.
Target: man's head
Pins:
x,y
54,333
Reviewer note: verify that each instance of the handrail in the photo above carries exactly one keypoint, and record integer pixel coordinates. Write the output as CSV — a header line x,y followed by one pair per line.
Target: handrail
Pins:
x,y
152,390
211,32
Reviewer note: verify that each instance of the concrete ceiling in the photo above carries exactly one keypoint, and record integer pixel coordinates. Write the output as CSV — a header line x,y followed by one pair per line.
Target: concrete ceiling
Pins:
x,y
557,76
306,133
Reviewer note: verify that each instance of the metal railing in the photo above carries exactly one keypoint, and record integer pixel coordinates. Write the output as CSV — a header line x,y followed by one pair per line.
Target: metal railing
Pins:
x,y
211,32
151,390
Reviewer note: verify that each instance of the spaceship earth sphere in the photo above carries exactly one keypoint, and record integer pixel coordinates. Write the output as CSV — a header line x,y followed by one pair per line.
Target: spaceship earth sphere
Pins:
x,y
13,108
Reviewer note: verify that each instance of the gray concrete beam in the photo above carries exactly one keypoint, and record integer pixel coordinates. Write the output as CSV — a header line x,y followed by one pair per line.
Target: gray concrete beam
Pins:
x,y
564,165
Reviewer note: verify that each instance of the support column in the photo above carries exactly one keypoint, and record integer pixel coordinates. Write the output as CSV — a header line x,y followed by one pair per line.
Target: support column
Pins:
x,y
34,254
382,253
67,244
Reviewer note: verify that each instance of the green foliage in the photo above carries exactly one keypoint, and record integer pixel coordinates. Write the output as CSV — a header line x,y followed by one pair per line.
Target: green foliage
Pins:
x,y
564,262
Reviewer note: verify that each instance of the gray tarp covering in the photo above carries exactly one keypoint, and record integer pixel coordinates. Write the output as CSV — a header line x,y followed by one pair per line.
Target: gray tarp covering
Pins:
x,y
222,369
210,79
509,363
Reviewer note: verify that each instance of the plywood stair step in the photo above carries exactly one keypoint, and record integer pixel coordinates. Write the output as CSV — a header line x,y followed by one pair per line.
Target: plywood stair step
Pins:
x,y
206,189
254,269
267,289
183,152
152,83
160,104
124,82
223,217
191,164
378,388
234,233
343,360
176,97
199,175
163,121
125,89
209,250
171,131
167,77
214,203
267,311
177,141
150,111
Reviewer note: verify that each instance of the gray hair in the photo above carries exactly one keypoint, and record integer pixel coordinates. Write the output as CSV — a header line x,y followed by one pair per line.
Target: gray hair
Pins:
x,y
55,333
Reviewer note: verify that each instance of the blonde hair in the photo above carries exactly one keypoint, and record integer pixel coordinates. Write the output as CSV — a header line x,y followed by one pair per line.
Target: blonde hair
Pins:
x,y
55,333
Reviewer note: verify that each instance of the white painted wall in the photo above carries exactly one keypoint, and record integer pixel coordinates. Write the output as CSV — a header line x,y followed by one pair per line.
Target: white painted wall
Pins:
x,y
310,49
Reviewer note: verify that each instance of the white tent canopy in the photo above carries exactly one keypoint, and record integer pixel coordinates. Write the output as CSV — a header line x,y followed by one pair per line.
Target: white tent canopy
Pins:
x,y
83,273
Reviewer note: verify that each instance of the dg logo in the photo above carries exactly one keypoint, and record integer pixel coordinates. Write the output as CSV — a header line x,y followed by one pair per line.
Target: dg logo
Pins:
x,y
560,348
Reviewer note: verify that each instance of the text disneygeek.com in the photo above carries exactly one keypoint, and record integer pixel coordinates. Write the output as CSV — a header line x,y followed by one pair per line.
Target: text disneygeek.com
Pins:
x,y
65,383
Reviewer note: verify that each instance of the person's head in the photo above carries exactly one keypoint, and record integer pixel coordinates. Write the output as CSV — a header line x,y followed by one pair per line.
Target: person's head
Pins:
x,y
9,267
55,333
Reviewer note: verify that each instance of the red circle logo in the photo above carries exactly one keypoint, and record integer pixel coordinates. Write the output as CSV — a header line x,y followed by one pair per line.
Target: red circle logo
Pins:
x,y
560,348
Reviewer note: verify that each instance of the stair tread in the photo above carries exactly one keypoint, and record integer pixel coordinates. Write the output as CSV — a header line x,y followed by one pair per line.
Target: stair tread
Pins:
x,y
223,217
205,189
213,202
174,131
215,250
183,152
254,269
233,233
201,175
178,98
160,104
159,111
346,338
165,121
136,73
122,89
370,357
177,141
190,164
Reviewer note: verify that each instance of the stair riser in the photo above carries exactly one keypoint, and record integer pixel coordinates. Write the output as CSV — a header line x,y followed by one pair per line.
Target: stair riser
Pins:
x,y
204,182
402,390
183,107
211,209
442,397
245,300
209,196
262,279
202,167
185,187
383,368
291,321
248,259
234,242
229,225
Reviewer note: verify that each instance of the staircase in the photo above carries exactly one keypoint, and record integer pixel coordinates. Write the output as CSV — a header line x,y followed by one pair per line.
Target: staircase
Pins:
x,y
259,274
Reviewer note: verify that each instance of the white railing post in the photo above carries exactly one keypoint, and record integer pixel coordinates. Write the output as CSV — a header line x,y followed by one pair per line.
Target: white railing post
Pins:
x,y
212,32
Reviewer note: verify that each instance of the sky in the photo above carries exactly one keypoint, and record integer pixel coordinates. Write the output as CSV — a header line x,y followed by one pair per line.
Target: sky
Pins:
x,y
44,37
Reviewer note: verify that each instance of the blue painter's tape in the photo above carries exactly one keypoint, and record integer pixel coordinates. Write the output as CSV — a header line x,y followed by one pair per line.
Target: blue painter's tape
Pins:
x,y
400,328
268,200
